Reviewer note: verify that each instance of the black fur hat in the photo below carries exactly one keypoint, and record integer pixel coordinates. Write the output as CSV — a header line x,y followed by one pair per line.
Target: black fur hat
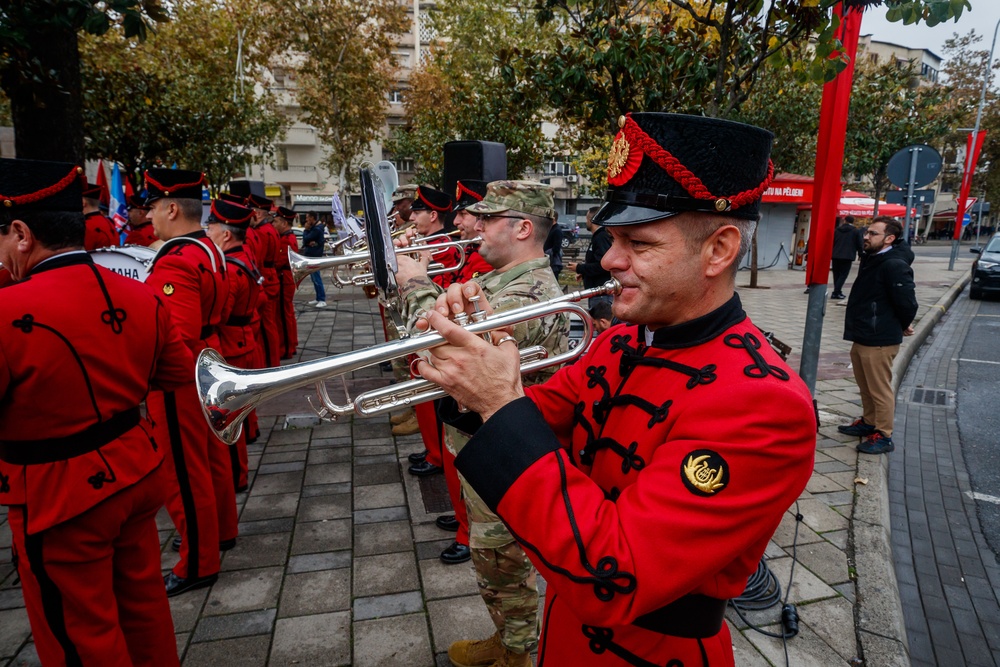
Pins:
x,y
429,199
173,183
36,185
663,164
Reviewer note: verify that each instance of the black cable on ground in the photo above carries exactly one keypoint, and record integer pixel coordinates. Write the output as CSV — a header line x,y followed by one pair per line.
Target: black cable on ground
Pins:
x,y
763,591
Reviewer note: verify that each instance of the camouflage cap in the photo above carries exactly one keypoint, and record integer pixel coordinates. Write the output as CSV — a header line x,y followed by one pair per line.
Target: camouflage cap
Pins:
x,y
522,196
404,192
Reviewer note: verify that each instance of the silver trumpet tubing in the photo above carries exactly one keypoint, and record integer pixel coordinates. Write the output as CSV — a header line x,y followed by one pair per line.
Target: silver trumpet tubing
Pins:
x,y
228,393
347,265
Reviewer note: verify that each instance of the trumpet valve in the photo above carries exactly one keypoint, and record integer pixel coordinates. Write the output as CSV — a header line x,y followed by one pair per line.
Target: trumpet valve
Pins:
x,y
461,319
478,315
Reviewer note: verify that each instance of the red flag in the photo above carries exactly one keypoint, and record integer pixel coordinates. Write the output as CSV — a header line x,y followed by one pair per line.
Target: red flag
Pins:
x,y
102,182
963,193
830,152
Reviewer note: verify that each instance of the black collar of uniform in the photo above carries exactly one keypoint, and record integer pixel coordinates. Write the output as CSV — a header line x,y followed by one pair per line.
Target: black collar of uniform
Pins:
x,y
235,249
200,234
61,260
699,330
92,214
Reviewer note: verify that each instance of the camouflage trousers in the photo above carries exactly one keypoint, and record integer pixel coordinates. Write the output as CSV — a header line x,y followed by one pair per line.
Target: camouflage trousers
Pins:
x,y
506,578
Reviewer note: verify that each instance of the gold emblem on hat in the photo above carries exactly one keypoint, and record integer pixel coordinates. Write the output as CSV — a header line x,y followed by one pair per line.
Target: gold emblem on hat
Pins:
x,y
8,203
618,156
168,289
721,204
705,479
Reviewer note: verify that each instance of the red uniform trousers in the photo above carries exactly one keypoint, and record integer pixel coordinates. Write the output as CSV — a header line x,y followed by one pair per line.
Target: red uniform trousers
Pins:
x,y
239,458
92,585
269,335
191,500
289,333
431,430
455,494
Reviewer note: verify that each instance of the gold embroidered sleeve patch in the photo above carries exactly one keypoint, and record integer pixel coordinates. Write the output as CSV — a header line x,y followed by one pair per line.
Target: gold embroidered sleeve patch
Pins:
x,y
704,472
168,289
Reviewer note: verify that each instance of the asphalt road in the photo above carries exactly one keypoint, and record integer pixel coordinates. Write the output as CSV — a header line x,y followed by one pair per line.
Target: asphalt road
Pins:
x,y
978,400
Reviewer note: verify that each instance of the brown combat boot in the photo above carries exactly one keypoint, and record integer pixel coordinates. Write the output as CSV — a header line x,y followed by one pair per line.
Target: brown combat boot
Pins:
x,y
476,653
401,417
408,427
511,659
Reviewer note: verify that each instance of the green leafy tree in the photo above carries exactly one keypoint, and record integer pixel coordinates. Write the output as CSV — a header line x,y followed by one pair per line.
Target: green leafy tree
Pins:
x,y
889,111
698,56
465,93
176,98
340,53
965,69
40,66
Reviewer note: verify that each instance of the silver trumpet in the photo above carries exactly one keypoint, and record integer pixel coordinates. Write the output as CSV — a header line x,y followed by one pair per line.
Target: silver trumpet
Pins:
x,y
228,393
303,266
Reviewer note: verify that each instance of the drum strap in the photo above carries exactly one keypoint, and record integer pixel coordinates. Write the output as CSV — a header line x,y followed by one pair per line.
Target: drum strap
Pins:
x,y
182,240
50,450
246,269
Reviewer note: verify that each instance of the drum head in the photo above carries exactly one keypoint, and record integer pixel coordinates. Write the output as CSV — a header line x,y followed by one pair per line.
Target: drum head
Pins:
x,y
382,253
131,261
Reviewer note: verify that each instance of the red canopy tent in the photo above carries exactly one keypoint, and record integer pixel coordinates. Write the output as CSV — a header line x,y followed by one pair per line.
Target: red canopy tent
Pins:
x,y
861,205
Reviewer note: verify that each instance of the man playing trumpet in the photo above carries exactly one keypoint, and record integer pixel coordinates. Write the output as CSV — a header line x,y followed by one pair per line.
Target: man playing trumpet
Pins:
x,y
513,221
645,480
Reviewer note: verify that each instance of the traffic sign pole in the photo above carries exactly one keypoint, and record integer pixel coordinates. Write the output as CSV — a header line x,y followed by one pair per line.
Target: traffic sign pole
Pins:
x,y
914,152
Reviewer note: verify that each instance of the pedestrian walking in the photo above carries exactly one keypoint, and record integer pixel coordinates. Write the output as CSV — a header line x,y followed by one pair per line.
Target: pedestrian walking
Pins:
x,y
847,247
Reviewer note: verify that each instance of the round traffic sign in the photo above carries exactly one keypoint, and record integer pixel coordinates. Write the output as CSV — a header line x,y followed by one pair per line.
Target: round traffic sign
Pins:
x,y
928,166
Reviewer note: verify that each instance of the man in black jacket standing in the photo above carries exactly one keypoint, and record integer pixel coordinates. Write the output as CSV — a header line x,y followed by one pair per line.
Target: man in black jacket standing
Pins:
x,y
847,246
880,311
590,269
313,243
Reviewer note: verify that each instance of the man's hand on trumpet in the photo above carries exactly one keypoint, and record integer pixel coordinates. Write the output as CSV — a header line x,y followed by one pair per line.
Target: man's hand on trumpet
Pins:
x,y
482,376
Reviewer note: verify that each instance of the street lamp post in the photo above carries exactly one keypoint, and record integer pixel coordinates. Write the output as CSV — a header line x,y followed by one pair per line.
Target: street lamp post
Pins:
x,y
975,137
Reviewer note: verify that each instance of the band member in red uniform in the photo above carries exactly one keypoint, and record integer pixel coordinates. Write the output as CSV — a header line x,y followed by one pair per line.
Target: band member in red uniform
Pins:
x,y
5,277
227,227
665,458
288,330
265,246
83,480
100,230
189,274
140,230
429,213
467,193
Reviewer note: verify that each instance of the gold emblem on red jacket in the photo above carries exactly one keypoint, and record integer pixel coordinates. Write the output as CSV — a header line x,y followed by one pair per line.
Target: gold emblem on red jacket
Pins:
x,y
168,289
705,473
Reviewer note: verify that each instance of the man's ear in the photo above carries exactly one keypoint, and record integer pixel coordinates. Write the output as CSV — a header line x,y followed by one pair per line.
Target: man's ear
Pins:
x,y
720,250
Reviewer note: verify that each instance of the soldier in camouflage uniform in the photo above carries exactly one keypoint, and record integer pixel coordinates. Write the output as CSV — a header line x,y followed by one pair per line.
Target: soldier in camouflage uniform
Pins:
x,y
513,220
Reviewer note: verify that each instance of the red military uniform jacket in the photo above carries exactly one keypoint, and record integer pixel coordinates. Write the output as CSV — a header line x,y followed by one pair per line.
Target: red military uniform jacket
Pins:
x,y
5,277
237,332
267,247
447,257
474,266
644,482
189,272
99,232
73,372
141,235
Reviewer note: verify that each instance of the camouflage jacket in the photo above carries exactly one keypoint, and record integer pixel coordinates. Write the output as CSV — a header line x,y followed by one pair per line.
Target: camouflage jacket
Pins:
x,y
525,284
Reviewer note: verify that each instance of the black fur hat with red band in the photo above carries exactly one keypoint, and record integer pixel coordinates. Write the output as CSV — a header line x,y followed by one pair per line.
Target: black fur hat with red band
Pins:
x,y
37,185
229,213
429,199
173,184
468,191
663,164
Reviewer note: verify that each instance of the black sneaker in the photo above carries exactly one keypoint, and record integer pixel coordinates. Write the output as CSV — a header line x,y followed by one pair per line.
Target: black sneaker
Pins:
x,y
858,428
876,443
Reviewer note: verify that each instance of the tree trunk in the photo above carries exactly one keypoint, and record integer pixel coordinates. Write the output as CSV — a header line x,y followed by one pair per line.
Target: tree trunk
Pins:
x,y
48,123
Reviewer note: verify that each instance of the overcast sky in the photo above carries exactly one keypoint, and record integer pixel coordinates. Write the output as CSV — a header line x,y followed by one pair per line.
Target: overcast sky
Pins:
x,y
983,17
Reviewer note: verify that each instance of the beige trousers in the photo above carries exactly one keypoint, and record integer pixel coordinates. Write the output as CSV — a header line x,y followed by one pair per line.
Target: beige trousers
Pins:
x,y
873,373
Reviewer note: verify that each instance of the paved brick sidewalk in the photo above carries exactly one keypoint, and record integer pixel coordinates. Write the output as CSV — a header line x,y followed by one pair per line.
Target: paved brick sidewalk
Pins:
x,y
337,558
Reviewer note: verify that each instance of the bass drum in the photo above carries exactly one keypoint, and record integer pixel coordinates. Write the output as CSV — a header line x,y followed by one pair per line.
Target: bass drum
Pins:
x,y
131,261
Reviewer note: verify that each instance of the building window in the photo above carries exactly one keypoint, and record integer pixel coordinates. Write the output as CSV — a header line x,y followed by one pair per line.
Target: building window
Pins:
x,y
404,165
396,97
281,158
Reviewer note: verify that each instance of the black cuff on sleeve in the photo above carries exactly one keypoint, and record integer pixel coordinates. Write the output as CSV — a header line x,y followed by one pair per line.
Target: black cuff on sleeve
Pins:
x,y
466,422
503,448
